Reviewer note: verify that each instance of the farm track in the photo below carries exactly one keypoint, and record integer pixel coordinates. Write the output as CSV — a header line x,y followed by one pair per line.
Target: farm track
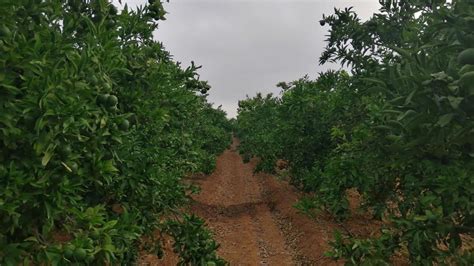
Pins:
x,y
253,219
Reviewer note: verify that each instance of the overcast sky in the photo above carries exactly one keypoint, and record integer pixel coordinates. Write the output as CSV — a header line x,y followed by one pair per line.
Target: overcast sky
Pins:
x,y
248,46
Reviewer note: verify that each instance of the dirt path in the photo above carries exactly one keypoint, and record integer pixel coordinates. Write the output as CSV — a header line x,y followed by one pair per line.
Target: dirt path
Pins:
x,y
231,201
253,219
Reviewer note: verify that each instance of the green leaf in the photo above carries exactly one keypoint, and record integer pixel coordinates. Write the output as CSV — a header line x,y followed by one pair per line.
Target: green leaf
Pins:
x,y
402,52
455,101
47,157
420,218
406,114
445,119
108,167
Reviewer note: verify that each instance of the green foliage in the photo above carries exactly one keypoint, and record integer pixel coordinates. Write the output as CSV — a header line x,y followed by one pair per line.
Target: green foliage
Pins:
x,y
363,252
259,116
399,130
193,242
97,126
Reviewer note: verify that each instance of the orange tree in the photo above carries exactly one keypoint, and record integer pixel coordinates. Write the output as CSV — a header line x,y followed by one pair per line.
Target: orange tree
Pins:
x,y
97,126
256,124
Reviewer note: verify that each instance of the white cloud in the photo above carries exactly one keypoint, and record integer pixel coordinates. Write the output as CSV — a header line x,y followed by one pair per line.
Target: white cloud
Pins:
x,y
249,46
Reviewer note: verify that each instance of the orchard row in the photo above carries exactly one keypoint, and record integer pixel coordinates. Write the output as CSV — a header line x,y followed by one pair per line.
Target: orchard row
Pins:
x,y
97,127
399,129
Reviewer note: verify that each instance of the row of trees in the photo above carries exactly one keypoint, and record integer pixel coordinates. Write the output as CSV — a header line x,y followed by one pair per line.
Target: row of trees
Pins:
x,y
399,129
97,127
